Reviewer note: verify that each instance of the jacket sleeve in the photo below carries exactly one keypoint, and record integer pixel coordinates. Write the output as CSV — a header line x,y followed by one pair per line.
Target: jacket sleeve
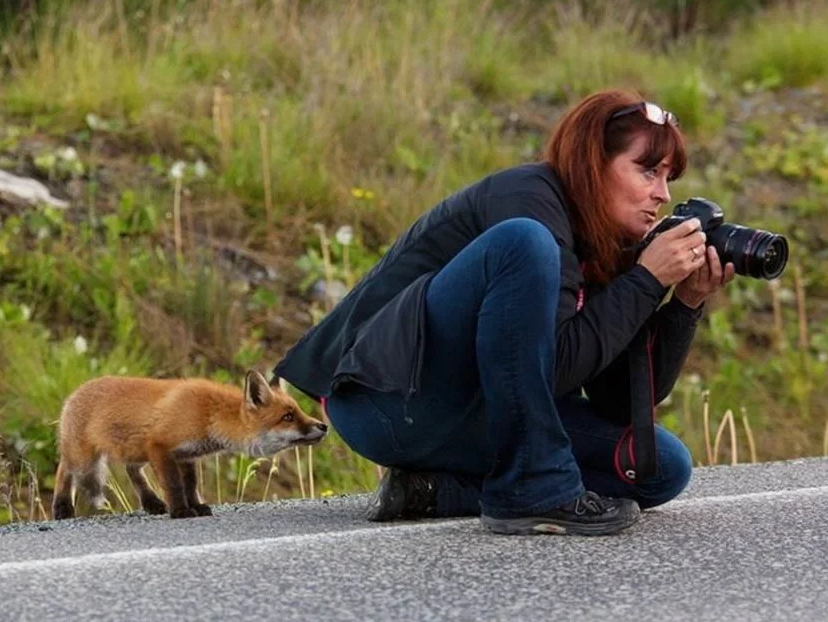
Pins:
x,y
589,339
675,327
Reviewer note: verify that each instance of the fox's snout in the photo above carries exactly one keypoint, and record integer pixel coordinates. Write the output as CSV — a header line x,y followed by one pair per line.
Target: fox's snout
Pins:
x,y
273,441
316,432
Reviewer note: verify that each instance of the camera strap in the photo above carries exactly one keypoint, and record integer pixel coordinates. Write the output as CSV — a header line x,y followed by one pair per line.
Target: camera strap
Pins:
x,y
635,452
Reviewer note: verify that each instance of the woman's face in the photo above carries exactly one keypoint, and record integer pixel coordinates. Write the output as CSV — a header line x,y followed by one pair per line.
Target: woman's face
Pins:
x,y
637,191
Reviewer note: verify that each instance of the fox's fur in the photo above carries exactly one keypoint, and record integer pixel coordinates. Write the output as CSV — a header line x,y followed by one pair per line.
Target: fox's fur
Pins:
x,y
170,424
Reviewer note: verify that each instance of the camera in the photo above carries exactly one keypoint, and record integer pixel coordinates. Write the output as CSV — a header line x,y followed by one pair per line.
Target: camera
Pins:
x,y
753,252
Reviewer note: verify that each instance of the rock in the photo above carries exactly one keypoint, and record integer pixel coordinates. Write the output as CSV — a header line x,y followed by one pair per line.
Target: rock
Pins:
x,y
26,192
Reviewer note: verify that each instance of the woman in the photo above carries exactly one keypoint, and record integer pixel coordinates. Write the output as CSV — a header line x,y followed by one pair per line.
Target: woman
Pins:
x,y
460,359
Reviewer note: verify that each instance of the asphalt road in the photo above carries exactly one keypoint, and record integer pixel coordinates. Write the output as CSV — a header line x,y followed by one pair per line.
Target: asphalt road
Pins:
x,y
743,543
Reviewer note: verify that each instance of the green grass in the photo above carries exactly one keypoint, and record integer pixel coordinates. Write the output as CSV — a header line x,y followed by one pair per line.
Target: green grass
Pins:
x,y
366,116
40,370
785,48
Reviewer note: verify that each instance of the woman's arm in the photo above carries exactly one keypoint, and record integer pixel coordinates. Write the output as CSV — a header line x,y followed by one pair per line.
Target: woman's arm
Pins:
x,y
591,339
673,328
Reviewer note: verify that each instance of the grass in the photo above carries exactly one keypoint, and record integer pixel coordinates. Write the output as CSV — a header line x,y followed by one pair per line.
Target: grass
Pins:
x,y
786,48
213,175
40,372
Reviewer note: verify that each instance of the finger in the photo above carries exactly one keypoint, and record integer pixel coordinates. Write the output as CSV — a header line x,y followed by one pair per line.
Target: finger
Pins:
x,y
697,240
729,273
684,229
698,256
715,265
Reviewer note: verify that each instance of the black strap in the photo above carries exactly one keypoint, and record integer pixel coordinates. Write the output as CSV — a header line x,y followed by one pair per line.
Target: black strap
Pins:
x,y
642,406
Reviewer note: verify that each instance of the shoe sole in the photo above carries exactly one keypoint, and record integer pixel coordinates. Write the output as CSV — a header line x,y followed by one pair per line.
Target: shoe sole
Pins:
x,y
534,526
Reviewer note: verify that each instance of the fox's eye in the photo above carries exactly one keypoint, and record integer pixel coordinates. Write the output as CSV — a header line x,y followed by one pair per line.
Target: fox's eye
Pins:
x,y
288,417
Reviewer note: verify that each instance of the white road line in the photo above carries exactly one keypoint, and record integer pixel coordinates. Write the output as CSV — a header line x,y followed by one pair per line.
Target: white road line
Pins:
x,y
195,549
813,491
63,563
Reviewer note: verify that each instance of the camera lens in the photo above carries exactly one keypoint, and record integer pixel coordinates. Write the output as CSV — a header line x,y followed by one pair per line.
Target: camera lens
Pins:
x,y
754,252
773,256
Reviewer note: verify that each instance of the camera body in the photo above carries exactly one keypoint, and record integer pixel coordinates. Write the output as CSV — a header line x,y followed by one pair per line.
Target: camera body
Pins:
x,y
753,252
709,214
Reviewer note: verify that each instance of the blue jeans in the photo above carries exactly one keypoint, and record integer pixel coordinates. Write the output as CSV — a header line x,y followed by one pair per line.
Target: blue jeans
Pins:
x,y
485,421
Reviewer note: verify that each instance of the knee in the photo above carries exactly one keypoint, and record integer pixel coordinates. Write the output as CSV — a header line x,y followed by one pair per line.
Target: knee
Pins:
x,y
675,467
525,240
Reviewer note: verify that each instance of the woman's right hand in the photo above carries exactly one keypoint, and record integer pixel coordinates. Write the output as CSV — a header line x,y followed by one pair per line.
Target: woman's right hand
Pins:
x,y
673,255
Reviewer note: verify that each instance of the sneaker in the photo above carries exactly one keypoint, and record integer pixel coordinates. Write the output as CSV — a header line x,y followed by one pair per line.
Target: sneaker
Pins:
x,y
403,494
588,515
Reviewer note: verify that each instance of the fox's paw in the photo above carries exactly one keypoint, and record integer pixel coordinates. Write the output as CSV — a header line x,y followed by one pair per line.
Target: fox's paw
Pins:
x,y
183,513
154,506
202,509
62,508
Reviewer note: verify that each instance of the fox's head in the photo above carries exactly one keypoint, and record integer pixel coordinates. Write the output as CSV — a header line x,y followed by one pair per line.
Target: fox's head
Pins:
x,y
277,419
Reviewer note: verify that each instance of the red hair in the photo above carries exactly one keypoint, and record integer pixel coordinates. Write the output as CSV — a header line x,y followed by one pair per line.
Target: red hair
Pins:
x,y
580,149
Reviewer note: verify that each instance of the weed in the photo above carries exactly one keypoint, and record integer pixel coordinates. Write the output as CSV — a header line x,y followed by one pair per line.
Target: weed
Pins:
x,y
780,50
224,195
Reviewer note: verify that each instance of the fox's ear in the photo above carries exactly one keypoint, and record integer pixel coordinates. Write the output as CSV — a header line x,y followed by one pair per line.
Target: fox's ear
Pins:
x,y
256,391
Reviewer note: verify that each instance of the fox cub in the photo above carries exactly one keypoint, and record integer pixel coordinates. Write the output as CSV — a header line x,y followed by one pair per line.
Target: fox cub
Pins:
x,y
170,424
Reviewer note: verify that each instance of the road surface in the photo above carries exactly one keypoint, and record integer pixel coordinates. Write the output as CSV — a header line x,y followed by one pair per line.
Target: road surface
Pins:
x,y
743,543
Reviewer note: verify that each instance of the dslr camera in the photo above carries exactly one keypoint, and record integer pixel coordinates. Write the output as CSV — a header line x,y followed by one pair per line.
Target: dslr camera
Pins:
x,y
753,252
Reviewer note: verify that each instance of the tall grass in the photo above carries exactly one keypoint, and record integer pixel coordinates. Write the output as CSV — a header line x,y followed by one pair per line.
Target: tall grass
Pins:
x,y
784,48
347,91
309,117
39,373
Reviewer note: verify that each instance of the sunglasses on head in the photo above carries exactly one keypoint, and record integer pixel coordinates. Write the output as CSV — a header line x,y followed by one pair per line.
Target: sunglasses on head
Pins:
x,y
653,112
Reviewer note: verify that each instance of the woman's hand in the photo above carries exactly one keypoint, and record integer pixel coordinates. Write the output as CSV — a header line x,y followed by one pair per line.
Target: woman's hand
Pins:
x,y
676,254
705,280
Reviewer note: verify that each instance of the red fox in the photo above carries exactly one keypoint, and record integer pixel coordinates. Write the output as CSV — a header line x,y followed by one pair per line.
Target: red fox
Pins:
x,y
170,423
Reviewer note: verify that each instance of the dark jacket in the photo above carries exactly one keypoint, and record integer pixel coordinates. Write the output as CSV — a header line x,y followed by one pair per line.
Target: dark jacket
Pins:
x,y
375,335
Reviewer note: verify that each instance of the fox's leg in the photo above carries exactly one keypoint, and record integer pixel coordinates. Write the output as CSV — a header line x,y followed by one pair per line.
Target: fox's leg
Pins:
x,y
149,500
62,506
190,478
93,480
166,470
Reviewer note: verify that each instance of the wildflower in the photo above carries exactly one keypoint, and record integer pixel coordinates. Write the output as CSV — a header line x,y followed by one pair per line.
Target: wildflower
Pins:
x,y
81,346
68,154
786,295
93,121
362,193
200,169
177,169
345,235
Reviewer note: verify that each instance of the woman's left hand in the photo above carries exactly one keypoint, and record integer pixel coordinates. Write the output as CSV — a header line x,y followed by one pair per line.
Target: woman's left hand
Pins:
x,y
708,278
